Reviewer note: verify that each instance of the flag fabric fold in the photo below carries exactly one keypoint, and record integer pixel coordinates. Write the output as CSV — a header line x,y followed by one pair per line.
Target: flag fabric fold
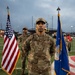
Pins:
x,y
61,63
11,52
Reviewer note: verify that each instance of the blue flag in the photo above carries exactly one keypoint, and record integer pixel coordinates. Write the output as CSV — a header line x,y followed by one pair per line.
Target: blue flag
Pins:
x,y
61,63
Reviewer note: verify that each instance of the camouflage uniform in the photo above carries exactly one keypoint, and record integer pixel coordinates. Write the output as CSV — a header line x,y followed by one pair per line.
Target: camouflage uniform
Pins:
x,y
39,50
21,39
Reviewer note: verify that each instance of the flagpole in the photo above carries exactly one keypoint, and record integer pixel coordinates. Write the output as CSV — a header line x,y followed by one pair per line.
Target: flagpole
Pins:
x,y
8,10
58,9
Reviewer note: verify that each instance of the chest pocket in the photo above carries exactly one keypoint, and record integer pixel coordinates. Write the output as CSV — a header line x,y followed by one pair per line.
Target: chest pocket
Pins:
x,y
47,44
39,45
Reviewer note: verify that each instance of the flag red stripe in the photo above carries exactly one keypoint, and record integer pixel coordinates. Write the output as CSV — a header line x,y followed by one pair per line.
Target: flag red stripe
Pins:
x,y
5,38
6,46
72,73
5,50
12,67
8,52
71,65
73,58
11,57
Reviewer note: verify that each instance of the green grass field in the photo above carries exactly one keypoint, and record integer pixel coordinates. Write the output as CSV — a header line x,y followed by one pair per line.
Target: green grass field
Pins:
x,y
18,66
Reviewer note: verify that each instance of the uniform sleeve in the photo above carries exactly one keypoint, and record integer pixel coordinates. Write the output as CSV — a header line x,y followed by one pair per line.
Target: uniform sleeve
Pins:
x,y
52,47
20,42
19,39
26,45
25,48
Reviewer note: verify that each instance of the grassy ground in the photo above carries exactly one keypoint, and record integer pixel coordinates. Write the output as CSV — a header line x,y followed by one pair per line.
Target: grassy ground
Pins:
x,y
18,71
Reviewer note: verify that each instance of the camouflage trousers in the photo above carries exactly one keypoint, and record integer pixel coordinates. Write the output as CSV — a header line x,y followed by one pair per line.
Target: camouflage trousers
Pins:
x,y
44,73
23,61
34,70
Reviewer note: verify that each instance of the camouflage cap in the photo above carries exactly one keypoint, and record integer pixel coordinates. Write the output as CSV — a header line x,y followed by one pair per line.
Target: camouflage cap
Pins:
x,y
40,20
25,28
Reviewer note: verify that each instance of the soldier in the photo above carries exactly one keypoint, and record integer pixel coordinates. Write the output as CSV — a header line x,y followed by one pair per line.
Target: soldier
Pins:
x,y
21,39
39,48
66,42
54,37
69,39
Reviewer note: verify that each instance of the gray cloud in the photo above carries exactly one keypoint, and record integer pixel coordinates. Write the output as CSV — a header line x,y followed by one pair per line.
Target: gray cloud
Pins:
x,y
21,12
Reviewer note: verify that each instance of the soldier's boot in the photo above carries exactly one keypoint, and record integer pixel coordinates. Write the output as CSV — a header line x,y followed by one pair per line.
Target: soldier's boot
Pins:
x,y
23,72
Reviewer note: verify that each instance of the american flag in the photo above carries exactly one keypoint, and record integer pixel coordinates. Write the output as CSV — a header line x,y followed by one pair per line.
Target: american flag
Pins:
x,y
72,64
11,52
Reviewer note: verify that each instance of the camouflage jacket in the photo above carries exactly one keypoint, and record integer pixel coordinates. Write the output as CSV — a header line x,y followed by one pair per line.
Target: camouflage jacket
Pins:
x,y
39,50
21,40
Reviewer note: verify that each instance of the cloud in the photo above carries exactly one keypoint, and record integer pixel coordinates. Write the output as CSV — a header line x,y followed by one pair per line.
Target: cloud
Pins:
x,y
44,5
21,12
13,0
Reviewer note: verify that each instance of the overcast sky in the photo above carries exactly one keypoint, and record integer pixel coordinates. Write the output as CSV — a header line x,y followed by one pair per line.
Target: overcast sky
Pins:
x,y
22,12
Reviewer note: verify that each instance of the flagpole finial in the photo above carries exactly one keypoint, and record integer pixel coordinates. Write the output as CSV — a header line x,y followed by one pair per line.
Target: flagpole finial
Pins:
x,y
7,9
58,9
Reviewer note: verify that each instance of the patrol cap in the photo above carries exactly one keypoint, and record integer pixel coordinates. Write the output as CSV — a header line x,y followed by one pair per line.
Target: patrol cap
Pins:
x,y
25,28
64,34
40,20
